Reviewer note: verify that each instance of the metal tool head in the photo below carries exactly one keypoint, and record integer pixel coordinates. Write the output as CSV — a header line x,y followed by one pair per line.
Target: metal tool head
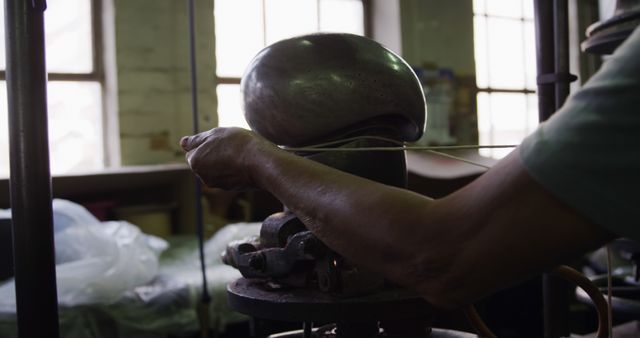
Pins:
x,y
321,86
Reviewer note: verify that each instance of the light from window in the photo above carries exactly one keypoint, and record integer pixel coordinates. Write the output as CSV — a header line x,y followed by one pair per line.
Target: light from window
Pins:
x,y
231,105
342,16
75,126
239,35
74,106
68,37
287,18
244,27
504,39
505,118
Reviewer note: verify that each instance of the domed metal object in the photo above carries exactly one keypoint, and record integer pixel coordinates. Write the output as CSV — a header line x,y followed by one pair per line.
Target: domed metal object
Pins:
x,y
320,87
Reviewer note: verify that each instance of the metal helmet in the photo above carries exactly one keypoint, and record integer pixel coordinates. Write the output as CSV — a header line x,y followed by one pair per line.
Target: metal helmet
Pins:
x,y
318,87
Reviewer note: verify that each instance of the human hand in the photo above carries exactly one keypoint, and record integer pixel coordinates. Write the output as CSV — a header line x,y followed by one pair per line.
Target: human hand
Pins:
x,y
225,157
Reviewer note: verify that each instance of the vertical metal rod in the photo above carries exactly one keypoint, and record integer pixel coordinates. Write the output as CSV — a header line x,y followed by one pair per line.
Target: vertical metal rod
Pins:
x,y
545,56
30,178
561,49
196,129
550,20
557,291
205,298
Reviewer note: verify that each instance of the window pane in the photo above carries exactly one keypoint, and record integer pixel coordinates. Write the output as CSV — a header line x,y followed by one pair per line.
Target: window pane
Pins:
x,y
485,128
530,55
68,37
239,35
505,8
506,53
289,18
3,55
75,127
4,131
505,118
480,45
479,6
527,9
345,16
230,112
532,113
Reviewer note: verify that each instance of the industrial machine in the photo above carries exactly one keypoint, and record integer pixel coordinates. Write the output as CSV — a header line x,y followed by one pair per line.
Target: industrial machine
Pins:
x,y
344,91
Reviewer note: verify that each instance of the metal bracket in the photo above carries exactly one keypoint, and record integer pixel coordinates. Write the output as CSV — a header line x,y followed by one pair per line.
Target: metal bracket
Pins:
x,y
551,78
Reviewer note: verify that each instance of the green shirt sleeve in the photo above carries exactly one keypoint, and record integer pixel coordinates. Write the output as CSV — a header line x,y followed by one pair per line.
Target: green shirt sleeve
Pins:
x,y
588,153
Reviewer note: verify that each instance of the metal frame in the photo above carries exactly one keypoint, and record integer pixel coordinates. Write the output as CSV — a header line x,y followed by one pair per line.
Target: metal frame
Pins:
x,y
552,56
489,90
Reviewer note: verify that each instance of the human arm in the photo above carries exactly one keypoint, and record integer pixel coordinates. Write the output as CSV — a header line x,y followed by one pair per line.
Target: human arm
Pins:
x,y
499,229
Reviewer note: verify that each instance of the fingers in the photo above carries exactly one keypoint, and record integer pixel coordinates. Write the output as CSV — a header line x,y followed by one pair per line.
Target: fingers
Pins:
x,y
184,143
189,143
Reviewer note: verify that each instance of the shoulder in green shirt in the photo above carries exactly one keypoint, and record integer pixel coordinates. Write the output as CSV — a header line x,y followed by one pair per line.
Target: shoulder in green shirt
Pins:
x,y
588,153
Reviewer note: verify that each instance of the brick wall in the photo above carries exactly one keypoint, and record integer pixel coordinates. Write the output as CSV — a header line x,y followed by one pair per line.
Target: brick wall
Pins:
x,y
152,56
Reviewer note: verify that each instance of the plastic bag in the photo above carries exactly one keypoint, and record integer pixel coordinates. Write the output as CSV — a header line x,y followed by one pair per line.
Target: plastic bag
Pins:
x,y
96,262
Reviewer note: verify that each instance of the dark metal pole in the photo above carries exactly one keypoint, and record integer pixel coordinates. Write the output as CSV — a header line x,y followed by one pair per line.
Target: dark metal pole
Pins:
x,y
545,57
561,51
30,179
205,298
552,46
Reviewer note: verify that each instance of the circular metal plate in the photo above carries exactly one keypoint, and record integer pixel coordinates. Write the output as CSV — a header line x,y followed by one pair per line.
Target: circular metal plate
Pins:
x,y
605,36
254,298
435,333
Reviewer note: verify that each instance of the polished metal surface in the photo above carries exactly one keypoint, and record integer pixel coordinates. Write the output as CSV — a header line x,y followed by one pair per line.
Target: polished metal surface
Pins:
x,y
324,86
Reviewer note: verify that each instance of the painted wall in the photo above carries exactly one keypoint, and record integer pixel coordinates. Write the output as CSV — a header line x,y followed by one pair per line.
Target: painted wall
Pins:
x,y
438,32
154,100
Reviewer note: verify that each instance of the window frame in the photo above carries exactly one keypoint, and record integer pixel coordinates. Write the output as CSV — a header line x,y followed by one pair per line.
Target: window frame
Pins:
x,y
109,141
97,72
489,90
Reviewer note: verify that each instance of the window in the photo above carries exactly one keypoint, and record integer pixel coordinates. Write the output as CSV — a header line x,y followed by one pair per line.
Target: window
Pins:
x,y
504,37
74,90
244,27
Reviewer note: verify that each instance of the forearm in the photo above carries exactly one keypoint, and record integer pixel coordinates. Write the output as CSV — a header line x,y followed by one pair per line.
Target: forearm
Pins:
x,y
389,230
501,228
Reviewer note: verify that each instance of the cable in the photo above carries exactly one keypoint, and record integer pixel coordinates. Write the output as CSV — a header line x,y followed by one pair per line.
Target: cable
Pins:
x,y
594,293
458,158
205,299
572,275
324,147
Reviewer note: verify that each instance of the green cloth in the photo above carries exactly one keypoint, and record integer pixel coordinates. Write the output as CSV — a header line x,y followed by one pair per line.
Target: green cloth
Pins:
x,y
588,153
